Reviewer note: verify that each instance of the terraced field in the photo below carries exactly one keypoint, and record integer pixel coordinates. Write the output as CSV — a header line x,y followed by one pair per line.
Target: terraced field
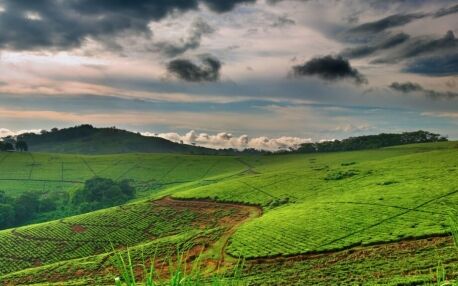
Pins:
x,y
59,172
325,217
334,201
159,226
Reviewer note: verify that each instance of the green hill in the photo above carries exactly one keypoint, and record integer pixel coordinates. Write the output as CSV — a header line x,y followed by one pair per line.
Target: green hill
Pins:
x,y
86,139
363,217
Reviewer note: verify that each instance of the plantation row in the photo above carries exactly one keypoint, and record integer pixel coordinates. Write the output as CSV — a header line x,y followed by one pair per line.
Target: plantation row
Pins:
x,y
300,230
405,263
46,173
335,201
94,267
93,233
311,203
410,262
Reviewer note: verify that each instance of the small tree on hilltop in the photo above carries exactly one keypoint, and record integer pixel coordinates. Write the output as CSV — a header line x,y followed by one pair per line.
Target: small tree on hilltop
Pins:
x,y
22,146
8,147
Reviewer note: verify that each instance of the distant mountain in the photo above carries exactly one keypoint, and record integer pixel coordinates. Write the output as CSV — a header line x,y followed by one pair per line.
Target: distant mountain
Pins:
x,y
86,139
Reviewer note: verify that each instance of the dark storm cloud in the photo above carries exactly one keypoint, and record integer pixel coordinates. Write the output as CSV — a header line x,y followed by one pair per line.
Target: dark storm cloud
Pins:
x,y
329,68
367,50
409,87
199,28
406,87
430,45
65,24
372,30
224,5
208,70
423,46
446,11
440,65
387,23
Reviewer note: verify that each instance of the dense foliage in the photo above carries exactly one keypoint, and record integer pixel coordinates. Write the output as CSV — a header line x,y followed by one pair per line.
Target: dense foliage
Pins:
x,y
17,211
6,146
22,146
99,193
10,144
29,206
371,142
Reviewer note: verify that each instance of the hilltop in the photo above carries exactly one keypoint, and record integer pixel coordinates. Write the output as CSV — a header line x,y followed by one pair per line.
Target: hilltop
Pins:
x,y
86,139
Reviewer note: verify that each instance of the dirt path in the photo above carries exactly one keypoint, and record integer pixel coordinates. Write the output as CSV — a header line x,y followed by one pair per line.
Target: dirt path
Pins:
x,y
217,251
254,212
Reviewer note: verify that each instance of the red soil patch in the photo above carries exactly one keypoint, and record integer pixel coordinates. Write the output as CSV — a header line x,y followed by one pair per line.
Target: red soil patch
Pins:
x,y
77,228
37,263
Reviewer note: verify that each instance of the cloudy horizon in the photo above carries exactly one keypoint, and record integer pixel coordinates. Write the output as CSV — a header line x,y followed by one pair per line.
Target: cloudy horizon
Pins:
x,y
235,73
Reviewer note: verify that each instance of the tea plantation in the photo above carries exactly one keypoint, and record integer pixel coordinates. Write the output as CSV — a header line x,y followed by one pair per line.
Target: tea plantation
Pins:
x,y
317,209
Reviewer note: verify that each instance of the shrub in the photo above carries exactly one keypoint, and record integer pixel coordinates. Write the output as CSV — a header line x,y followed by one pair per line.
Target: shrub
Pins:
x,y
101,192
340,175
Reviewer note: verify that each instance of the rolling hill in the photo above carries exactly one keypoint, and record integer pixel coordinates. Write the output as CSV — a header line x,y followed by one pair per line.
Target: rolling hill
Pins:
x,y
375,216
86,139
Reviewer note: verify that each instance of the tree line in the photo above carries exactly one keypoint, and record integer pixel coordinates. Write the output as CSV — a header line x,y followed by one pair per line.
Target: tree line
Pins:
x,y
12,145
371,142
30,207
25,207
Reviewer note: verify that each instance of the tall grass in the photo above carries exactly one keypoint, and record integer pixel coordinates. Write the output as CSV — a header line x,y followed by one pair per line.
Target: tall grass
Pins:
x,y
441,279
454,227
181,272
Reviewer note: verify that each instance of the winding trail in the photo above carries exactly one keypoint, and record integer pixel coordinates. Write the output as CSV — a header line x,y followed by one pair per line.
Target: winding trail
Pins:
x,y
250,212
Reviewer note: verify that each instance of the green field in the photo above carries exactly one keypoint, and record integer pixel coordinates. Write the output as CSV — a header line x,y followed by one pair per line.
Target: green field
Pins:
x,y
150,172
311,204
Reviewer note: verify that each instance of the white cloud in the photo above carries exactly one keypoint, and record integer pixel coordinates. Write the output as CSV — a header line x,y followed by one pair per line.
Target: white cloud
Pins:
x,y
6,132
227,140
452,115
353,128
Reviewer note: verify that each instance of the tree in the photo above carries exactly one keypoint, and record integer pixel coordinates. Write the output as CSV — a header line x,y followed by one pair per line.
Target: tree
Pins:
x,y
22,146
47,204
4,199
102,192
9,147
371,142
6,146
127,189
26,206
6,215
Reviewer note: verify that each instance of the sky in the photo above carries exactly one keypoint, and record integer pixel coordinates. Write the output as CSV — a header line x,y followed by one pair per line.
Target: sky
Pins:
x,y
238,73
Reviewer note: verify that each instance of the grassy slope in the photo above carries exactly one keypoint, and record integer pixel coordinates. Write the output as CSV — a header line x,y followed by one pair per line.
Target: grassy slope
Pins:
x,y
383,195
150,226
132,224
59,172
388,195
